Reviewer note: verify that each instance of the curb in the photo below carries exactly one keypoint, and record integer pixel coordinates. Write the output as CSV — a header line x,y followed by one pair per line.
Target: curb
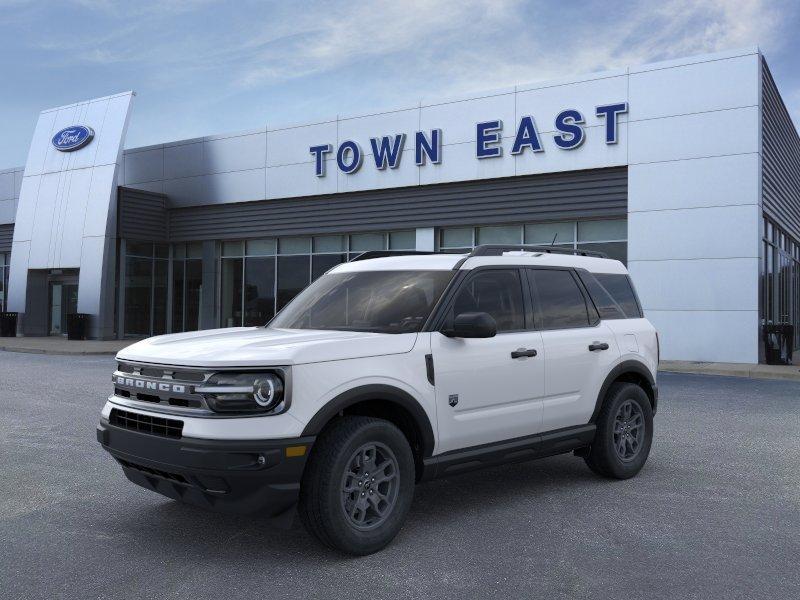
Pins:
x,y
59,352
743,373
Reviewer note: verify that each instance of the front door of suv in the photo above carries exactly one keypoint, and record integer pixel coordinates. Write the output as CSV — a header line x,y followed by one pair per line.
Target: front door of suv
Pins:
x,y
483,393
578,348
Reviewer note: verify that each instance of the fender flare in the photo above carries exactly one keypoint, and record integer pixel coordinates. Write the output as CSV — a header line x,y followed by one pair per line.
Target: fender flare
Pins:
x,y
627,366
374,392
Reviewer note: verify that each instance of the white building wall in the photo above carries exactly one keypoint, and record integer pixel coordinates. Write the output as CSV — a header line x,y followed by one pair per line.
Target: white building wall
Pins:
x,y
693,204
66,212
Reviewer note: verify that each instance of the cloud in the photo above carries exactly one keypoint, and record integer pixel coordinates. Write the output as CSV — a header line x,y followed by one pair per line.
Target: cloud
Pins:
x,y
675,28
386,28
454,43
295,61
460,46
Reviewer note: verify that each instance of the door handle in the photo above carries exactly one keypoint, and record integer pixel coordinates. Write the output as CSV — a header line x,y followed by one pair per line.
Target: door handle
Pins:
x,y
522,352
598,346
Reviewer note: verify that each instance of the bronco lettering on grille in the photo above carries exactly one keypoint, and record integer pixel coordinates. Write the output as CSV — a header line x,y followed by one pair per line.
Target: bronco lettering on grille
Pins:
x,y
143,384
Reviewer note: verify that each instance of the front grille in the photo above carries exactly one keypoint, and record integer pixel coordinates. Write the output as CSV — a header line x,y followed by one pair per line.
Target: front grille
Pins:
x,y
150,471
161,385
170,428
157,372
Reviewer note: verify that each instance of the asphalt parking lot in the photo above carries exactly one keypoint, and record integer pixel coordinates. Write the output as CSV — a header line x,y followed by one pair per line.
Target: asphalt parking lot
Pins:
x,y
714,514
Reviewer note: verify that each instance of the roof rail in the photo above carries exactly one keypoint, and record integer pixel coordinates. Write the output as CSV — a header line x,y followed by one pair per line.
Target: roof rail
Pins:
x,y
498,249
385,253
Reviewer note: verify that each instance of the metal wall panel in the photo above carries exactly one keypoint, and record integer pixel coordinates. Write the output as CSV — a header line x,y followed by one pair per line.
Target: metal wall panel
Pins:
x,y
142,215
6,237
596,193
780,159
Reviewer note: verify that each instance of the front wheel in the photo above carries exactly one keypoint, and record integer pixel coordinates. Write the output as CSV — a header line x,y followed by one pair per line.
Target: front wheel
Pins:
x,y
358,485
624,433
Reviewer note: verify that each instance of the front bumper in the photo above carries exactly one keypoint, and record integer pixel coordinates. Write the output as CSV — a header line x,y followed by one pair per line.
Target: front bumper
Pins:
x,y
234,476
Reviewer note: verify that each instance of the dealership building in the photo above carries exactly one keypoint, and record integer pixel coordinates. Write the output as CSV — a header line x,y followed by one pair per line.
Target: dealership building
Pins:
x,y
687,170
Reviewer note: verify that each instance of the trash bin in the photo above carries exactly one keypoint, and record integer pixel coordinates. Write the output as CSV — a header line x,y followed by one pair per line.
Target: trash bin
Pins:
x,y
778,343
77,323
8,324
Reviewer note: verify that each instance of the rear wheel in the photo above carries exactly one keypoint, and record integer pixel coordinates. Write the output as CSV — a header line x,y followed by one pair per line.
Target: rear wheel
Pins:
x,y
358,485
624,433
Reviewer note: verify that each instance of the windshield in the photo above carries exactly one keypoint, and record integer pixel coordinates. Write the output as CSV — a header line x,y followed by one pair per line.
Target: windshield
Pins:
x,y
377,301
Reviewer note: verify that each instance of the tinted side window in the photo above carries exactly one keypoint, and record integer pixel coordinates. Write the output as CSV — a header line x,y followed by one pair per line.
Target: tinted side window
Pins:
x,y
620,289
497,292
606,305
560,301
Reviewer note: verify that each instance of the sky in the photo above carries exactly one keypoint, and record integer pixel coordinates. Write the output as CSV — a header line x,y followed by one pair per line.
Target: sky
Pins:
x,y
203,67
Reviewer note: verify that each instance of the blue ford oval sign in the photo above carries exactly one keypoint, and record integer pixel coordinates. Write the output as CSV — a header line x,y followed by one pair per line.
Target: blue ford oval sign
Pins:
x,y
72,138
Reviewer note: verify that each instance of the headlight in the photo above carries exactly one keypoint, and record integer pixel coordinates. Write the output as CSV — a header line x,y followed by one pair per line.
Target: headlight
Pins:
x,y
243,392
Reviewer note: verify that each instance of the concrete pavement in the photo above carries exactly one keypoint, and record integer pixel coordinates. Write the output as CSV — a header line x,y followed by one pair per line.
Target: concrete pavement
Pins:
x,y
714,513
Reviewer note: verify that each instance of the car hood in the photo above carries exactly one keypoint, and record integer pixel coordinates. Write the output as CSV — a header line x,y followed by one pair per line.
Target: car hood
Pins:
x,y
260,346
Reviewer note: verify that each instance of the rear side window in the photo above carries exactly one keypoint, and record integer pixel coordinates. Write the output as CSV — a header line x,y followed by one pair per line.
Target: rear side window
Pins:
x,y
620,289
559,300
607,307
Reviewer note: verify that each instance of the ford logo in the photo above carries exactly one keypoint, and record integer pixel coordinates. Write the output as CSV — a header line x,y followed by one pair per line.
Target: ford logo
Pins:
x,y
72,138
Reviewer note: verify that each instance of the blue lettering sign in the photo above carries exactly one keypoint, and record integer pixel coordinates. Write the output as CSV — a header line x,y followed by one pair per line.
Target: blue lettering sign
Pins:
x,y
387,152
432,149
527,137
349,157
72,138
569,122
488,133
319,153
610,112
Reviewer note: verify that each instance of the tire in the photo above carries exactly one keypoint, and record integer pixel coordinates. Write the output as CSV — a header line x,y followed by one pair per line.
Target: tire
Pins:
x,y
339,504
626,404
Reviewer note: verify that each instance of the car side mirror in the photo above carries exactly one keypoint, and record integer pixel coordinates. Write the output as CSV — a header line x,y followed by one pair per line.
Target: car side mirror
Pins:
x,y
472,325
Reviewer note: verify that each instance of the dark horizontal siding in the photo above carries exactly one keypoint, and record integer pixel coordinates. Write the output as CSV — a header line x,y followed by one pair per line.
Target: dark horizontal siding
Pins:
x,y
6,237
599,193
780,159
142,215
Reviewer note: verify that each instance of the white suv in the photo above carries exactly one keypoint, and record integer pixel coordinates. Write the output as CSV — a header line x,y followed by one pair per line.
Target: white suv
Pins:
x,y
387,371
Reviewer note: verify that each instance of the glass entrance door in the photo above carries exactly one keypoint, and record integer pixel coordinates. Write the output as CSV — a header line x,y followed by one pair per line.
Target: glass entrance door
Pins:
x,y
63,301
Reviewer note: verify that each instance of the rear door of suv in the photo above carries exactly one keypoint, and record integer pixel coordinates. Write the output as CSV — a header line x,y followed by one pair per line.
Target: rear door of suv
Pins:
x,y
578,348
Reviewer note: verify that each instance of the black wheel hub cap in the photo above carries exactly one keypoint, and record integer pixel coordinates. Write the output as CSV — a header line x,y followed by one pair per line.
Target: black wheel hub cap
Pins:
x,y
628,430
369,486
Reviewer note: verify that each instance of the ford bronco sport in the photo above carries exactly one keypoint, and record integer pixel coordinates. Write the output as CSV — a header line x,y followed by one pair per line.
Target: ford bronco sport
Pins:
x,y
387,371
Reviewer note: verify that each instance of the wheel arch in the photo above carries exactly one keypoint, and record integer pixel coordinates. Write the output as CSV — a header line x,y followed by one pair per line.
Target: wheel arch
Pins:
x,y
632,371
383,401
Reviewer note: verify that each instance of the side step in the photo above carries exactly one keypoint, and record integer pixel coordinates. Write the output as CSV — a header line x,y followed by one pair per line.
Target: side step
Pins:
x,y
531,447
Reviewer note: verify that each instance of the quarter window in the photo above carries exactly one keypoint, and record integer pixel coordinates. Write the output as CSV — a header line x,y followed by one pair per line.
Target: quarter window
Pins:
x,y
497,292
559,299
619,287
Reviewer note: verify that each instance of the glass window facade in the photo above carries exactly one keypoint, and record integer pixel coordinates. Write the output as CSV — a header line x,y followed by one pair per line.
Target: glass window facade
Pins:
x,y
609,236
146,287
187,286
163,285
780,280
5,259
259,277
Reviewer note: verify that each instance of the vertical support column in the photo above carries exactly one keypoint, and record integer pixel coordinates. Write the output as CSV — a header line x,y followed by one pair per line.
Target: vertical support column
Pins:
x,y
208,295
122,274
170,291
426,239
36,304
